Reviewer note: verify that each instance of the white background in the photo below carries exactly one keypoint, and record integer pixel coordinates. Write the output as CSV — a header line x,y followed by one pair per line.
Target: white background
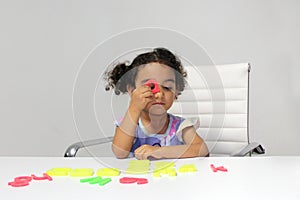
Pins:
x,y
44,42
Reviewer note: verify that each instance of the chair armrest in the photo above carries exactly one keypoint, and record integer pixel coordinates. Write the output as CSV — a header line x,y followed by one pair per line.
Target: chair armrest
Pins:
x,y
73,148
250,148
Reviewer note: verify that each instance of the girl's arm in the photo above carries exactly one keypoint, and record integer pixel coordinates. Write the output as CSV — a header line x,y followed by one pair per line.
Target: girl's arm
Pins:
x,y
125,133
194,146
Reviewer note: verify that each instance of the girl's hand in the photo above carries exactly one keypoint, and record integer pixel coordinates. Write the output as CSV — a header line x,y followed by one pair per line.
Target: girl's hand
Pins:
x,y
140,97
145,151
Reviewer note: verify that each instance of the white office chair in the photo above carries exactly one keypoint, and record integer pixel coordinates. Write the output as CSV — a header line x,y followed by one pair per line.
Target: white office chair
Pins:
x,y
219,97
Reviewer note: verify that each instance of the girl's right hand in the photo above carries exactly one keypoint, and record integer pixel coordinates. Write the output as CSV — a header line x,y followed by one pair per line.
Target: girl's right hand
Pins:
x,y
140,97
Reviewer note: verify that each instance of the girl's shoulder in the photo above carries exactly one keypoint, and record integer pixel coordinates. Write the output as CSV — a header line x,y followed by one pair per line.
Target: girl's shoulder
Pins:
x,y
178,124
184,122
175,118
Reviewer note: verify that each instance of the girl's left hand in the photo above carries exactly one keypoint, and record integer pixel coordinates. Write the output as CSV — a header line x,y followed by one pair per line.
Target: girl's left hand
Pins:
x,y
145,151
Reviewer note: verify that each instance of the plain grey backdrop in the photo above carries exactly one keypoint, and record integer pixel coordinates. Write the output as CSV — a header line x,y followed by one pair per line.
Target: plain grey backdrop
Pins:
x,y
43,43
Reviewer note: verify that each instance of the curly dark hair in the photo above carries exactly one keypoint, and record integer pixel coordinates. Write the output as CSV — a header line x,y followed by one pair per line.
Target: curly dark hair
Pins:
x,y
124,74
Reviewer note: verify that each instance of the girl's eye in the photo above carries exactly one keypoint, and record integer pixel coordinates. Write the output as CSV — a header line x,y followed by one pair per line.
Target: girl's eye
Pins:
x,y
167,88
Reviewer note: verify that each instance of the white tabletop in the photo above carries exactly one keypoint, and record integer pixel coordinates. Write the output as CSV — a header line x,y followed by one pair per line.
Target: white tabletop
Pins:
x,y
247,178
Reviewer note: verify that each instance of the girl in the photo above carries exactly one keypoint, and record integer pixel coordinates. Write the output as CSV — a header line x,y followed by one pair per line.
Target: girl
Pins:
x,y
147,130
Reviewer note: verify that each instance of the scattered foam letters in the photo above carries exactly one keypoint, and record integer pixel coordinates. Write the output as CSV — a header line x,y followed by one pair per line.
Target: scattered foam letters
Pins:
x,y
22,181
134,167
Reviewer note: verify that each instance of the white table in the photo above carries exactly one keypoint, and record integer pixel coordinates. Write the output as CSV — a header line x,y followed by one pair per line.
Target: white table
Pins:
x,y
247,178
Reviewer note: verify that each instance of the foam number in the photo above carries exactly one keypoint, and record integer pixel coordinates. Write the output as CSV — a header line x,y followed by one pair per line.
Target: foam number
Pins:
x,y
44,177
153,86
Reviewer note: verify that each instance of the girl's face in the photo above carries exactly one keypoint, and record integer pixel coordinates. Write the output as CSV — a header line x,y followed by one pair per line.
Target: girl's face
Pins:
x,y
165,77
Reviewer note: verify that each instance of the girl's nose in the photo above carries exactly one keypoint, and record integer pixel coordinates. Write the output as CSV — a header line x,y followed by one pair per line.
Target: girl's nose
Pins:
x,y
160,93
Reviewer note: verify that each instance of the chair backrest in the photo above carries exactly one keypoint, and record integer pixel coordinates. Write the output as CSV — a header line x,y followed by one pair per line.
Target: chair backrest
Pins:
x,y
219,97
